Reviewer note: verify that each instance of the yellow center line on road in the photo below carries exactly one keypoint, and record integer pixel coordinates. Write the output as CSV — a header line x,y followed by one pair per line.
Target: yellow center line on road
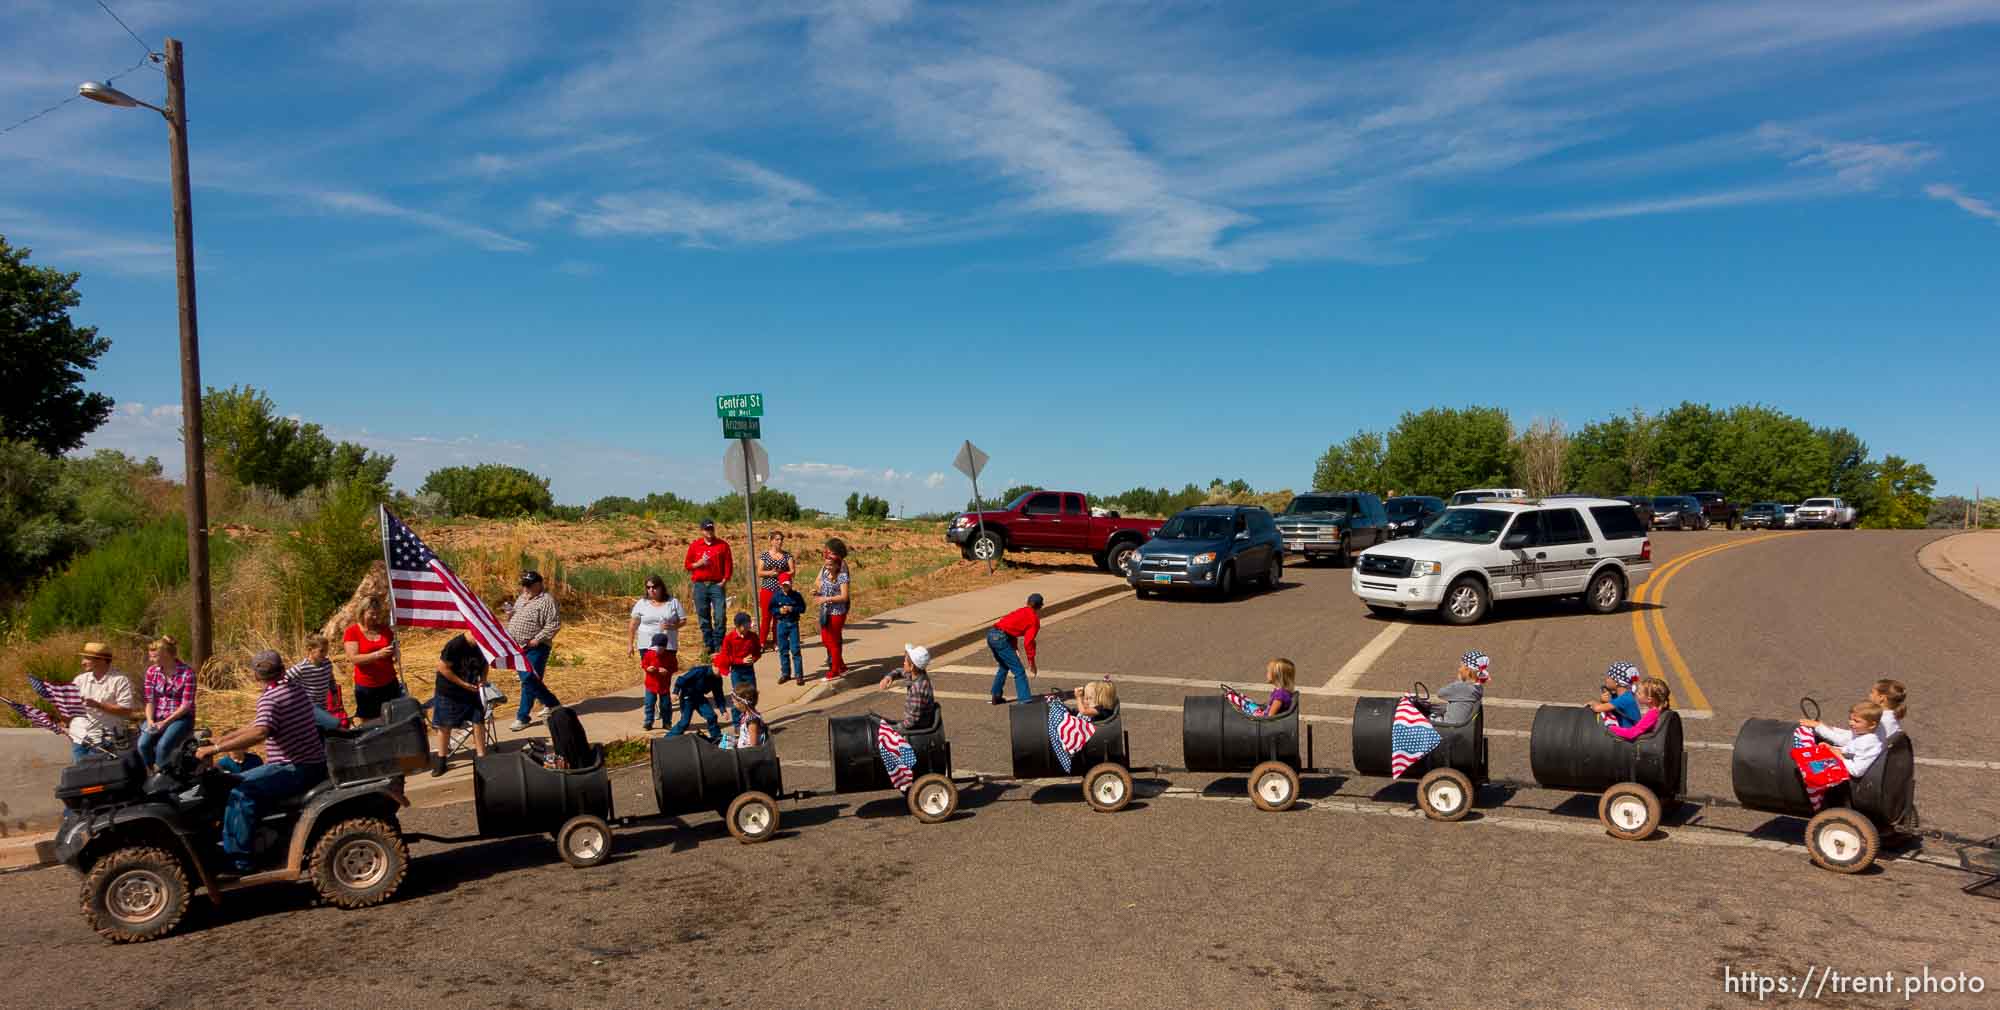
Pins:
x,y
1651,591
1350,672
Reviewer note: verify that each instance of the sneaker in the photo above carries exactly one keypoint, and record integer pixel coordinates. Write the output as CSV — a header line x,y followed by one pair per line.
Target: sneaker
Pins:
x,y
997,700
645,727
517,727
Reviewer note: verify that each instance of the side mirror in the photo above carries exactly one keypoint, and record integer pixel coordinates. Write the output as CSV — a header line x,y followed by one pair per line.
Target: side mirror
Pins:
x,y
1517,541
1242,534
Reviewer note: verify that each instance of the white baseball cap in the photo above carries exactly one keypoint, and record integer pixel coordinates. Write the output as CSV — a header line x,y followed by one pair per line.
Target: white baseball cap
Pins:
x,y
918,655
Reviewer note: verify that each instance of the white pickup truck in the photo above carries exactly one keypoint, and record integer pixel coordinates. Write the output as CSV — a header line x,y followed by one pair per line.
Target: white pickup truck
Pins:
x,y
1830,513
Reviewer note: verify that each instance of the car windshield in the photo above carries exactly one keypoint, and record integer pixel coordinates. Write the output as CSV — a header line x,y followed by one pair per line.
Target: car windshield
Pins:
x,y
1819,503
1405,508
1466,526
1307,504
1195,527
1666,502
1016,503
1764,506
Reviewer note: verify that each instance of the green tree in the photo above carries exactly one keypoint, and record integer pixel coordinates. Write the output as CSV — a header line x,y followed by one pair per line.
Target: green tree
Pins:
x,y
43,355
767,503
1543,451
1903,495
1446,449
1613,456
1767,455
116,492
41,525
1353,465
864,506
1850,474
248,441
489,490
358,465
318,562
1687,449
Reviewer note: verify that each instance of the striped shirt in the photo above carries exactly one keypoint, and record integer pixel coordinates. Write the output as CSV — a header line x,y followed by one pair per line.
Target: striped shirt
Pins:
x,y
315,679
166,692
284,712
779,562
534,619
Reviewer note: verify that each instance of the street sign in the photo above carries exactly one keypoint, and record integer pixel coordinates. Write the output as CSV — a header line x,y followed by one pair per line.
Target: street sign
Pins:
x,y
970,460
742,427
739,405
733,463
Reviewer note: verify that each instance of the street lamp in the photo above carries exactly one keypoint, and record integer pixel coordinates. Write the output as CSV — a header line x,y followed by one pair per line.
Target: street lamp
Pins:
x,y
197,488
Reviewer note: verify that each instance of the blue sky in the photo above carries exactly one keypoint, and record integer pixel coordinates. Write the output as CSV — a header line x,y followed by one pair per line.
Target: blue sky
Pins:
x,y
1110,242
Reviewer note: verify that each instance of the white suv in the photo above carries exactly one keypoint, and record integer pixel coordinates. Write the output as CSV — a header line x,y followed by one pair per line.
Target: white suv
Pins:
x,y
1475,555
1471,495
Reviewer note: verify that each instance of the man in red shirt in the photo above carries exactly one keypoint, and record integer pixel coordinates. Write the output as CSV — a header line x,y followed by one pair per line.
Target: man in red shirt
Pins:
x,y
1022,624
709,567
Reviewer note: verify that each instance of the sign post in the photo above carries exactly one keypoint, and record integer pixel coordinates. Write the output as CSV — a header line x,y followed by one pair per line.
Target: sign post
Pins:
x,y
970,461
745,465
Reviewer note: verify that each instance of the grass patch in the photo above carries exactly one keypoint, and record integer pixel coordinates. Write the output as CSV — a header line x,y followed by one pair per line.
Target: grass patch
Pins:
x,y
113,585
629,751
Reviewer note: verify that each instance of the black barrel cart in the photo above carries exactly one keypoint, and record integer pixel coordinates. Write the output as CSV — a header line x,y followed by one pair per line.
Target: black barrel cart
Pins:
x,y
1216,736
1105,760
1846,833
857,763
742,785
1569,748
514,794
1447,777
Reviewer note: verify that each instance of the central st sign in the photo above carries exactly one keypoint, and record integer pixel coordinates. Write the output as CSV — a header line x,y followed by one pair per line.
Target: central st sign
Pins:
x,y
739,405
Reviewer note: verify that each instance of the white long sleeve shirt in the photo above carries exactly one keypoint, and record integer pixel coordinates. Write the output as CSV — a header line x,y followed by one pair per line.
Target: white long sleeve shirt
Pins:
x,y
1857,750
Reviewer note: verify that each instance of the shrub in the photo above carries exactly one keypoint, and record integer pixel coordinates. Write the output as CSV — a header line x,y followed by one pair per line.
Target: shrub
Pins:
x,y
317,563
40,523
113,585
489,490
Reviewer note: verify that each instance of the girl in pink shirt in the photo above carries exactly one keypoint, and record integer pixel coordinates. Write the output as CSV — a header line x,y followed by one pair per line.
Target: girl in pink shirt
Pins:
x,y
1654,698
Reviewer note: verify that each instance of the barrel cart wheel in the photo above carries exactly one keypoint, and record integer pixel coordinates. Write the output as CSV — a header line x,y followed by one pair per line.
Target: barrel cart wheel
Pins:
x,y
1629,811
1445,794
584,841
1842,840
1274,786
933,798
752,817
1108,787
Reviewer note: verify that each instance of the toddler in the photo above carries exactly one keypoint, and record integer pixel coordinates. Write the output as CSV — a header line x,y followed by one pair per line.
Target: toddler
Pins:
x,y
1462,697
786,607
1860,743
1097,699
1616,704
750,732
1890,695
1654,698
660,663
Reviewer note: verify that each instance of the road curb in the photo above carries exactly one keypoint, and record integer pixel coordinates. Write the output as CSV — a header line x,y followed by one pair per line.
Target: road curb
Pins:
x,y
1935,557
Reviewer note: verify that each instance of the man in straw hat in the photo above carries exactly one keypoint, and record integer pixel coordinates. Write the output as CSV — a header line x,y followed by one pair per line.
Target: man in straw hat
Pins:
x,y
109,704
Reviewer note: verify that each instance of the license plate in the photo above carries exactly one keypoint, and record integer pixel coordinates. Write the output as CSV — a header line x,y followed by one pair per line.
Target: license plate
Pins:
x,y
1163,578
1297,545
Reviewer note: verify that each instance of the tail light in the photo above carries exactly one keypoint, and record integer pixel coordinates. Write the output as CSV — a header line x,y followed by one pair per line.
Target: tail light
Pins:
x,y
1646,551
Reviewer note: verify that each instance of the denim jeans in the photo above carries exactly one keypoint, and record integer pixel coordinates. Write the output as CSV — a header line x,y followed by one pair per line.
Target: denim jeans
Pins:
x,y
532,688
710,599
261,787
666,706
79,751
688,708
789,657
1002,645
160,741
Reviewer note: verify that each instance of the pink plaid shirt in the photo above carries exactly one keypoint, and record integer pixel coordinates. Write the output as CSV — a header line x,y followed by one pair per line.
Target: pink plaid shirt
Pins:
x,y
165,693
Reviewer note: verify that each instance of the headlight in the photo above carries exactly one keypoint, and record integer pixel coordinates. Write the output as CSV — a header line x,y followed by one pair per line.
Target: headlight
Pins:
x,y
1207,558
964,521
1425,568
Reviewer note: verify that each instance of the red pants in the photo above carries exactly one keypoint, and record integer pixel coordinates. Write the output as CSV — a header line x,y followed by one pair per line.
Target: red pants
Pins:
x,y
770,627
829,636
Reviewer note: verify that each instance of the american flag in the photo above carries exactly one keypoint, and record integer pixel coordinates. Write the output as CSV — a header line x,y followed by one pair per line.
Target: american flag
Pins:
x,y
1068,732
1242,701
35,716
425,594
1411,737
1817,763
898,757
65,697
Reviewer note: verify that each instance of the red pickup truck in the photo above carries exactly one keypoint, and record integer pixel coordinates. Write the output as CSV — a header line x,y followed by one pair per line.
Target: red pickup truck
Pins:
x,y
1052,521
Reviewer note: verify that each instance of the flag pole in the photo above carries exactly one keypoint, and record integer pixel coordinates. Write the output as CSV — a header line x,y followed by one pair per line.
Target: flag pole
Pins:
x,y
382,518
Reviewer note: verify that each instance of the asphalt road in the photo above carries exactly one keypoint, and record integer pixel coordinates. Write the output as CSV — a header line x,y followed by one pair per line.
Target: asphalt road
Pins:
x,y
1191,897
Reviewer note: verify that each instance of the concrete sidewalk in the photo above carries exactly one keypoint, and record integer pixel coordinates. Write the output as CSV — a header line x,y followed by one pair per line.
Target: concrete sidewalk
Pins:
x,y
1968,562
873,647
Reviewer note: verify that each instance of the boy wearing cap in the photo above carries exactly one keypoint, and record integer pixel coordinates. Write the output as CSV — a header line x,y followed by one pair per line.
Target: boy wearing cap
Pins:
x,y
1617,705
787,605
532,622
919,700
693,691
294,756
709,567
1023,624
739,651
109,704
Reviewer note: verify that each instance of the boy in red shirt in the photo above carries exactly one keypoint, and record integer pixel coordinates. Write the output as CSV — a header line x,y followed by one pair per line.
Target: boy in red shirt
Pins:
x,y
660,663
1022,624
737,652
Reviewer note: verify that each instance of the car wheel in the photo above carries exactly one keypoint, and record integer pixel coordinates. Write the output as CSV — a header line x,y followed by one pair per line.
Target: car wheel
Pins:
x,y
1225,583
359,862
1465,602
987,547
1606,593
1118,558
1340,558
134,895
1141,593
1275,574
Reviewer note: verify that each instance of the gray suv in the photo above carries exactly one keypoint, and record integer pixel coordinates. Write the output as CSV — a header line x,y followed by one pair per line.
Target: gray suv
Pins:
x,y
1212,547
1335,524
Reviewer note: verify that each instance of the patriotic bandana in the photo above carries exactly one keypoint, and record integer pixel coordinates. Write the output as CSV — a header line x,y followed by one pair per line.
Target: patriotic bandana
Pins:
x,y
1480,664
1624,673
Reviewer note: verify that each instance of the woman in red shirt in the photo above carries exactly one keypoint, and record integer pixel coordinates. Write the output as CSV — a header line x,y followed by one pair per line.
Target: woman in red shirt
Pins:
x,y
371,647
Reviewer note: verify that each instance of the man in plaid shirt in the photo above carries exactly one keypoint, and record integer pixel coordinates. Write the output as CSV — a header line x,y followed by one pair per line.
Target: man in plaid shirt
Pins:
x,y
919,701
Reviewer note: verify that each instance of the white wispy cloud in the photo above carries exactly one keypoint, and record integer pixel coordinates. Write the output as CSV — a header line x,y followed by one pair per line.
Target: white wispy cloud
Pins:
x,y
135,253
934,480
369,204
1966,202
748,205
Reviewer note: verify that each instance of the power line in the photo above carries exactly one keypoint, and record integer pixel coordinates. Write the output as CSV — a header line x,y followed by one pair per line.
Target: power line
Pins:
x,y
128,29
145,62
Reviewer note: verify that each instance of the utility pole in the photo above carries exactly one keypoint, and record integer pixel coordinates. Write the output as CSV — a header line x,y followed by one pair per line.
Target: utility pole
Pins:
x,y
202,625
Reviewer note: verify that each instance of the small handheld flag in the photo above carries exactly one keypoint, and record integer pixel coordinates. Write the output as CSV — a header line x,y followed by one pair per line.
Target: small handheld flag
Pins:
x,y
65,697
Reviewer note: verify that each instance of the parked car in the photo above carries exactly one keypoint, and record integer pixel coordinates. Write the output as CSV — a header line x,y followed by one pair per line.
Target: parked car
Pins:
x,y
1476,555
1716,508
1826,513
1470,495
1052,521
1410,513
1791,515
1764,515
1336,524
1212,547
1643,504
1673,511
